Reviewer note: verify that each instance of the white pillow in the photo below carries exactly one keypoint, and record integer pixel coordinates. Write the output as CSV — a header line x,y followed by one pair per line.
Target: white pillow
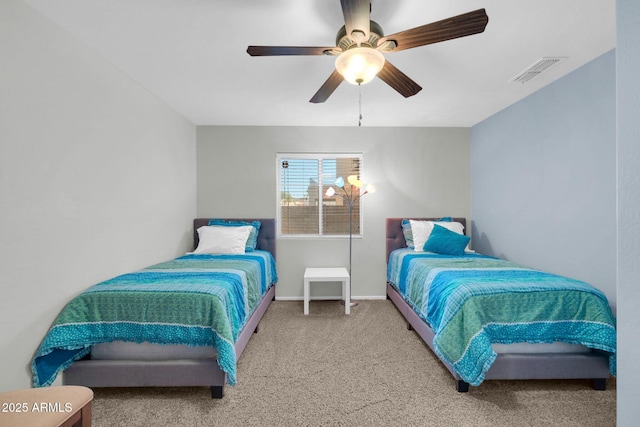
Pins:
x,y
218,239
421,230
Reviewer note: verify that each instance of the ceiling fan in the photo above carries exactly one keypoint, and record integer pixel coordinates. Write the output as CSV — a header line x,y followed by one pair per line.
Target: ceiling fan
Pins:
x,y
360,43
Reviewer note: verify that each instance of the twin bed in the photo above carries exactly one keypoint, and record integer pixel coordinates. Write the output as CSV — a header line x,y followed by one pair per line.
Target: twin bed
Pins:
x,y
183,322
487,318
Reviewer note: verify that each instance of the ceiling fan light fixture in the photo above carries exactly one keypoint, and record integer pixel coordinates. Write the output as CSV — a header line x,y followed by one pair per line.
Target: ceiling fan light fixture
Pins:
x,y
359,65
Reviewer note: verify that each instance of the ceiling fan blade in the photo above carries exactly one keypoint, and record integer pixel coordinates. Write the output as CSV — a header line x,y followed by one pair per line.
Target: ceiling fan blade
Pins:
x,y
288,50
447,29
398,80
356,17
327,88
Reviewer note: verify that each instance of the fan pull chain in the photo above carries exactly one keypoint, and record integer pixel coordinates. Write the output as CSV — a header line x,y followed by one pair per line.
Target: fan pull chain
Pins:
x,y
359,105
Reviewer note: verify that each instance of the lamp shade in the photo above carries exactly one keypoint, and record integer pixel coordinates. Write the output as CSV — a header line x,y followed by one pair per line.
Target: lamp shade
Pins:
x,y
353,180
370,188
359,65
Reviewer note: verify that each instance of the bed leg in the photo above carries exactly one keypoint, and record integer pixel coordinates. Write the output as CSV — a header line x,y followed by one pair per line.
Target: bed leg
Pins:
x,y
409,327
257,329
462,386
599,383
217,391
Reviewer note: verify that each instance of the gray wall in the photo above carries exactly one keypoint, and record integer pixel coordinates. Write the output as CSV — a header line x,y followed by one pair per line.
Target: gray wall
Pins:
x,y
628,108
417,172
543,178
97,178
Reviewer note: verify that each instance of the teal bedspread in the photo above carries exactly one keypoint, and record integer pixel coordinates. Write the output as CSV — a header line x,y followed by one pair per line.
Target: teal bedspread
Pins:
x,y
473,300
195,300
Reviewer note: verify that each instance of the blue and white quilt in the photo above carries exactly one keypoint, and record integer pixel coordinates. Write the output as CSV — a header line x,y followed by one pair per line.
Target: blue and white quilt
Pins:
x,y
195,300
471,301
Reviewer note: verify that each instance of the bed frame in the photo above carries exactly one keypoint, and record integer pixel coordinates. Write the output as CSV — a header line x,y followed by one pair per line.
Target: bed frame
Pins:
x,y
176,373
507,366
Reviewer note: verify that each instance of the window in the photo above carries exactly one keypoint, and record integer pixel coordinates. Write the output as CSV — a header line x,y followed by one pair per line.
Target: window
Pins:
x,y
304,209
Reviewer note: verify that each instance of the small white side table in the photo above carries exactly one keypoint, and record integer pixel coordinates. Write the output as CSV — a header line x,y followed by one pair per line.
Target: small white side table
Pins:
x,y
327,274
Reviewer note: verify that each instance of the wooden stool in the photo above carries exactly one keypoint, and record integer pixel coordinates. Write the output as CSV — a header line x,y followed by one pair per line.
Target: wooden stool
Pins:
x,y
67,406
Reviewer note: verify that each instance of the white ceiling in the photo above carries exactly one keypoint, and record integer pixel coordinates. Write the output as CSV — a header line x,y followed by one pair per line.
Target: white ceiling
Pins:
x,y
192,55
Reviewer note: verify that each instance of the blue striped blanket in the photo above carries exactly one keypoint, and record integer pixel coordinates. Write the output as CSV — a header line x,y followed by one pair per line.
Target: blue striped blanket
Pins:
x,y
195,300
473,300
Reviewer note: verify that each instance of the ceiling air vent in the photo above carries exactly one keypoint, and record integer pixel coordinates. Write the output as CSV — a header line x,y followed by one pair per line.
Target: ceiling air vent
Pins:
x,y
537,68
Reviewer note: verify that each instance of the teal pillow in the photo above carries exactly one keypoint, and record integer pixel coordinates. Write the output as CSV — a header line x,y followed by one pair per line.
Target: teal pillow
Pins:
x,y
408,234
446,242
252,241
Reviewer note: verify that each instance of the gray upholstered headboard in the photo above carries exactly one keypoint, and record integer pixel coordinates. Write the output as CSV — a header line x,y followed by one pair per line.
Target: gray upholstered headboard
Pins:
x,y
266,235
395,237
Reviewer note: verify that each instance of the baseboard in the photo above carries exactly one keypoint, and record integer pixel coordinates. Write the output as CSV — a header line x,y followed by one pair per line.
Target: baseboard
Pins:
x,y
331,298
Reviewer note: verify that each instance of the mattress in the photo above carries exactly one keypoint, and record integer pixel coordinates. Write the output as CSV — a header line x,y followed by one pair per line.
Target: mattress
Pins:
x,y
538,348
121,350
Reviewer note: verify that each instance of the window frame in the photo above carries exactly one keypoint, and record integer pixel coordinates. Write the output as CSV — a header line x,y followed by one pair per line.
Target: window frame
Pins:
x,y
280,156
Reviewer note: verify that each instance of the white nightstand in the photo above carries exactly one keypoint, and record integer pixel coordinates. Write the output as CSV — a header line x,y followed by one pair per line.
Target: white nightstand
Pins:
x,y
327,274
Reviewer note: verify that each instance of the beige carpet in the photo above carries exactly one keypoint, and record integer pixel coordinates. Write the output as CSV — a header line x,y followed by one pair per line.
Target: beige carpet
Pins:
x,y
366,369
